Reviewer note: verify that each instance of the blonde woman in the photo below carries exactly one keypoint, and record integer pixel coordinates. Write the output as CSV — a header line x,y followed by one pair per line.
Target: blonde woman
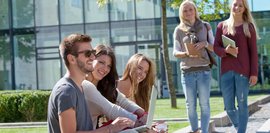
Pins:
x,y
138,79
237,73
195,70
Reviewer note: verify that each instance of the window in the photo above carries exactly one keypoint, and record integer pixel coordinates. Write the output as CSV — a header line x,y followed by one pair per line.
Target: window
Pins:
x,y
71,11
5,62
23,15
25,61
4,23
46,12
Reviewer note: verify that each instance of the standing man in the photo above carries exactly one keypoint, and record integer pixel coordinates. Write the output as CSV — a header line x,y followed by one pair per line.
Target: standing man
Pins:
x,y
67,108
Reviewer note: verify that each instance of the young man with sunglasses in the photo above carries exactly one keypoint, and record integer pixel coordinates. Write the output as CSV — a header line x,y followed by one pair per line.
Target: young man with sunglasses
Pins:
x,y
67,108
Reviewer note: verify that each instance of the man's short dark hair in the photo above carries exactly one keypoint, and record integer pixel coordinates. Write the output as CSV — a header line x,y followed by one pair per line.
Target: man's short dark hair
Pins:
x,y
68,45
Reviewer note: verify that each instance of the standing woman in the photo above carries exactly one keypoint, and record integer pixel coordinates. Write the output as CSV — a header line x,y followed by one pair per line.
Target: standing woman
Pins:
x,y
138,79
195,70
237,73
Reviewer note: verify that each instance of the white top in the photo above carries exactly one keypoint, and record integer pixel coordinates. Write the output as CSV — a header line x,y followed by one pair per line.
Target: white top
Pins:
x,y
98,104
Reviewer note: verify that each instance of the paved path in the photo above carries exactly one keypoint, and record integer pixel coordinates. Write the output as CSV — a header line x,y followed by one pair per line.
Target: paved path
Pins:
x,y
255,121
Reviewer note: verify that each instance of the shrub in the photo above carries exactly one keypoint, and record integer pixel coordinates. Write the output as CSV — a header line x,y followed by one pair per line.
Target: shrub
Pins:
x,y
9,108
16,106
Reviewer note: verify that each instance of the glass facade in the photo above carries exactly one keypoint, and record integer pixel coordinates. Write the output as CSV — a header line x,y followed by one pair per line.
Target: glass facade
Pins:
x,y
31,30
4,14
5,62
46,12
22,13
93,13
24,61
71,11
120,10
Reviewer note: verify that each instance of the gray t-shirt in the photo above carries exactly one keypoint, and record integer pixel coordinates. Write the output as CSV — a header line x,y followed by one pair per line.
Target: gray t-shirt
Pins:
x,y
66,95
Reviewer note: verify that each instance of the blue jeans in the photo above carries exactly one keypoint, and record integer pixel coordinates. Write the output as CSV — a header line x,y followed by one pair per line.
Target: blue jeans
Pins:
x,y
197,84
236,85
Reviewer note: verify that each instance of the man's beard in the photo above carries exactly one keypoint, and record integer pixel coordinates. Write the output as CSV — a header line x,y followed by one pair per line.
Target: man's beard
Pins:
x,y
82,67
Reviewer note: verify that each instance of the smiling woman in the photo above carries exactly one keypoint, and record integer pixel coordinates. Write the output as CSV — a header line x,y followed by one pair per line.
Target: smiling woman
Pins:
x,y
105,73
193,34
138,79
101,93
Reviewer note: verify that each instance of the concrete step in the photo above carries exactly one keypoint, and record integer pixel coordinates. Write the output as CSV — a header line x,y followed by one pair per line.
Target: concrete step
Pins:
x,y
222,119
23,124
265,128
187,129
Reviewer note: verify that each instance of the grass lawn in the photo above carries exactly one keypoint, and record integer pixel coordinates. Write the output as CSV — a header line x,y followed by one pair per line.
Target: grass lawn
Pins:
x,y
24,130
163,110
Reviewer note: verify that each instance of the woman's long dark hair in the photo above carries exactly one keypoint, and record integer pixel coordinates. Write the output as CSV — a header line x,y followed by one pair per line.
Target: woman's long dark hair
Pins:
x,y
107,85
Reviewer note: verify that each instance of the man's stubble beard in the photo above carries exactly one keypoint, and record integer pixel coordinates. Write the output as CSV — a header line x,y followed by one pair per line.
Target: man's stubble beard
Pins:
x,y
82,67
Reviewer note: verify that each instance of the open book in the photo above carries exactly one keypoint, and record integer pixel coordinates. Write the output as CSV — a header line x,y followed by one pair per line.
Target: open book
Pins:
x,y
228,41
191,50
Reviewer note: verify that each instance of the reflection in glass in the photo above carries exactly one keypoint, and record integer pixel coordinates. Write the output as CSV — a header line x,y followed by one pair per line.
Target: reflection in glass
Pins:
x,y
5,64
123,31
47,43
93,13
4,23
47,36
48,53
71,11
147,9
48,73
151,50
260,5
148,30
122,10
71,29
25,62
99,33
67,30
23,15
172,12
46,12
122,57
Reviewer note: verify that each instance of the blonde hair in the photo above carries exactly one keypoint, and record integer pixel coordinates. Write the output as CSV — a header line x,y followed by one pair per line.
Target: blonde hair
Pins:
x,y
183,21
248,19
140,93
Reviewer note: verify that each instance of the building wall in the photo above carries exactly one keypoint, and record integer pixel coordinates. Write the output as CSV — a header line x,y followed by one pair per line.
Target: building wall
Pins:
x,y
31,30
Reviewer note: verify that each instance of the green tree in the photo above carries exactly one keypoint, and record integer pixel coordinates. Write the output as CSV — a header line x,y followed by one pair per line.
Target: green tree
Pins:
x,y
209,10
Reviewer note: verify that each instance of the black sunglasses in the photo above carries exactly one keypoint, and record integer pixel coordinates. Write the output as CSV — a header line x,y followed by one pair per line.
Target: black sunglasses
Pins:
x,y
87,53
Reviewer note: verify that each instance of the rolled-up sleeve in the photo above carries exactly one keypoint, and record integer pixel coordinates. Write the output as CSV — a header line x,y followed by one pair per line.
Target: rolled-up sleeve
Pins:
x,y
176,42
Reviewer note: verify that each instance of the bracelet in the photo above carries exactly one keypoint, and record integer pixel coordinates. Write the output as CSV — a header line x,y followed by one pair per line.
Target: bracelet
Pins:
x,y
144,113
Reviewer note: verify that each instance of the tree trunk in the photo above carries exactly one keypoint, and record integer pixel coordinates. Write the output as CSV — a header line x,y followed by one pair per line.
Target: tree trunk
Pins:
x,y
164,48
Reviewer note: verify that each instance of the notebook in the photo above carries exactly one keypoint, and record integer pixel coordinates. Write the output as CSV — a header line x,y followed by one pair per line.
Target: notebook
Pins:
x,y
151,112
228,41
191,50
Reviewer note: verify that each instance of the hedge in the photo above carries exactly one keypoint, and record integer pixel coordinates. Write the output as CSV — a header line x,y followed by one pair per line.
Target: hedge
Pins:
x,y
23,106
